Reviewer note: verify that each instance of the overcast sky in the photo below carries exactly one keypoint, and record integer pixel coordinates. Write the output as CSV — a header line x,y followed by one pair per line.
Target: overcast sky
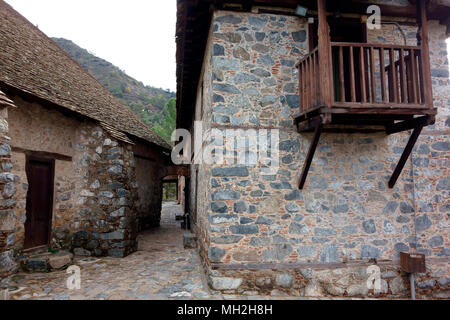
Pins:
x,y
138,36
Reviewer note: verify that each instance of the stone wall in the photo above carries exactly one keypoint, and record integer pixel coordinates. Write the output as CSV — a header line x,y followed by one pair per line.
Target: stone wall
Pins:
x,y
96,191
35,129
346,213
149,179
7,204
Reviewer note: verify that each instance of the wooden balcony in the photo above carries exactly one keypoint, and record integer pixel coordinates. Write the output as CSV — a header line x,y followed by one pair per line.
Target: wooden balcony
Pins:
x,y
374,84
360,87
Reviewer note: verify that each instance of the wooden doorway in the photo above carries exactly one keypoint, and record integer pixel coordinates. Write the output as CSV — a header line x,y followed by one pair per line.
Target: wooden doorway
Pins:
x,y
40,174
354,31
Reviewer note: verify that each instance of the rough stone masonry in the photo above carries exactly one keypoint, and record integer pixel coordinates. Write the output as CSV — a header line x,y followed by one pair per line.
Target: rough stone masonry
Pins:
x,y
79,171
7,213
99,202
259,232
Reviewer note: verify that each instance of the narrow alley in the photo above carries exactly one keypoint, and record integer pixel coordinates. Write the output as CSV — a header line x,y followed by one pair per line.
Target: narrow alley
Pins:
x,y
160,269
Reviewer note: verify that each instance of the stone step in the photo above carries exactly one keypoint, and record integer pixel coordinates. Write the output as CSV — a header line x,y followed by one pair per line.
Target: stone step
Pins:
x,y
47,261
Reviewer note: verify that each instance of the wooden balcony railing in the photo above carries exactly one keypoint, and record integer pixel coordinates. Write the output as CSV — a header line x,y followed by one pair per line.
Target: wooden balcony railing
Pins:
x,y
308,71
358,87
365,76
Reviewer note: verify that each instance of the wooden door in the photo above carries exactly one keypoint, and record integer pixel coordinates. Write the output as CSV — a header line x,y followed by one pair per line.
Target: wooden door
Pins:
x,y
39,207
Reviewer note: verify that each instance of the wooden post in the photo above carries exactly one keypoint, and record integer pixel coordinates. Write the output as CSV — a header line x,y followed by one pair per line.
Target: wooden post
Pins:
x,y
405,155
383,77
422,38
318,124
341,74
324,55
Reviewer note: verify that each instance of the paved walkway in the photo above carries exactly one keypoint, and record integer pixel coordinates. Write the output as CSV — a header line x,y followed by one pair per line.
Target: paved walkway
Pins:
x,y
160,269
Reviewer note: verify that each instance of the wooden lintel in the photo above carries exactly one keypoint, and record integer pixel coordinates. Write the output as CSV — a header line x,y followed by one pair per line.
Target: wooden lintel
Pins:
x,y
405,155
138,156
409,124
42,154
177,170
311,151
170,179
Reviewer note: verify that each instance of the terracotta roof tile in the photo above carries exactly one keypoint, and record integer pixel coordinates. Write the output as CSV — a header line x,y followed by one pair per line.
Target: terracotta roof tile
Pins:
x,y
32,62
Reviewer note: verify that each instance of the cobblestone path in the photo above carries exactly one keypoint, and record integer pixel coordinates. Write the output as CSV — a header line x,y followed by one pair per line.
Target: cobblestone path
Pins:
x,y
160,269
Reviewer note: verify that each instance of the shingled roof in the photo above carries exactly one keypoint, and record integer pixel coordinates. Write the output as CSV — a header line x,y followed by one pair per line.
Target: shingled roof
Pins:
x,y
31,62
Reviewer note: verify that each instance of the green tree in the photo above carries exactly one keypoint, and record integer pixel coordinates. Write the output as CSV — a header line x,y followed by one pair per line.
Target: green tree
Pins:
x,y
165,124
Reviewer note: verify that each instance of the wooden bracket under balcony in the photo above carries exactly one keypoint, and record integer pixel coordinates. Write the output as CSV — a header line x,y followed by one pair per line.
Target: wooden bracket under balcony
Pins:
x,y
317,123
324,123
363,87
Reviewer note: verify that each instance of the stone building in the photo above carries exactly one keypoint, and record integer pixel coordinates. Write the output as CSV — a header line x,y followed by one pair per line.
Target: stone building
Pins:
x,y
79,171
252,65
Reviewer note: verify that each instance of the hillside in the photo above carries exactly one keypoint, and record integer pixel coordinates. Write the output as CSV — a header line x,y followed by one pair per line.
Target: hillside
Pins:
x,y
145,101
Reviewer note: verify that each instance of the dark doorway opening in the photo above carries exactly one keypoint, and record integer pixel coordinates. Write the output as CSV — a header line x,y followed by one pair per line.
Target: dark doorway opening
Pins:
x,y
348,30
39,207
343,30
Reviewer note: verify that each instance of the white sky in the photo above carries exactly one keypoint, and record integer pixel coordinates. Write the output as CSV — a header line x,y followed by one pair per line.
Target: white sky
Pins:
x,y
138,36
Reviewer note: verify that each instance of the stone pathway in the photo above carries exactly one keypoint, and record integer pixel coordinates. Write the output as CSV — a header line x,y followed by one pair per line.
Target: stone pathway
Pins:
x,y
160,269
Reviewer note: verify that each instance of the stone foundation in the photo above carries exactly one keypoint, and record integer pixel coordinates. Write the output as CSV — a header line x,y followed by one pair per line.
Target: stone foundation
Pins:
x,y
330,281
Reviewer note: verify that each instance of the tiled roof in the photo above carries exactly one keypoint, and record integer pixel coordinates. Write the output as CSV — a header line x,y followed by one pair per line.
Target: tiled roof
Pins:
x,y
33,63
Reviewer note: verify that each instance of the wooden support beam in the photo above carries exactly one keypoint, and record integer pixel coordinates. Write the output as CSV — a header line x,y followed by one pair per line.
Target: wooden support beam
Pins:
x,y
138,156
311,151
422,38
326,86
409,147
309,124
177,170
409,124
247,5
42,154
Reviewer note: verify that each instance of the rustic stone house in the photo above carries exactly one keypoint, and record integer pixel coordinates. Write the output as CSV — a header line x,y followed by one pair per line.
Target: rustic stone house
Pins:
x,y
341,200
79,170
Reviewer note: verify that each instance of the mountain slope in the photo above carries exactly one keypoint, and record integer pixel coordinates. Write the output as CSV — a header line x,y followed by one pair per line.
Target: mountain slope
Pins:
x,y
145,101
